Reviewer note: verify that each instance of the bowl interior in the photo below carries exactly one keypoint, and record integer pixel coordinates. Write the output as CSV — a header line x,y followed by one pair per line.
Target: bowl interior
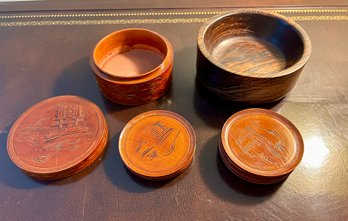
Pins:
x,y
253,44
130,53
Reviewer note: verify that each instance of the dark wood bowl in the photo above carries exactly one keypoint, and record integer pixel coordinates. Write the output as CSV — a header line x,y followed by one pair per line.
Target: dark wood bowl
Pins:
x,y
133,66
251,56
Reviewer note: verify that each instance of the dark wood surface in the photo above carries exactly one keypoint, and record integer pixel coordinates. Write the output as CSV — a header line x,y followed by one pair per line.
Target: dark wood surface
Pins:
x,y
44,55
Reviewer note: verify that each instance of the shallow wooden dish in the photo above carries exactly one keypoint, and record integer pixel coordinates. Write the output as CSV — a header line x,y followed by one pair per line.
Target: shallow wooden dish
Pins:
x,y
260,146
133,66
157,145
57,137
251,56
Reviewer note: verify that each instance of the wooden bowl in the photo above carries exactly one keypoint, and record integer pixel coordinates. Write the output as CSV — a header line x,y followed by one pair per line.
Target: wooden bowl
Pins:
x,y
133,66
251,56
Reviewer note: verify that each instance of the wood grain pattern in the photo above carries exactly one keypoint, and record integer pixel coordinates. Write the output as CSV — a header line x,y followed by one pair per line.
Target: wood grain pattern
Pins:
x,y
157,145
251,56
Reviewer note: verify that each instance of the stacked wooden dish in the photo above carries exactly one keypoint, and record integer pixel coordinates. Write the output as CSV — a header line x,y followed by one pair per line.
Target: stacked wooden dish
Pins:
x,y
133,66
260,146
57,137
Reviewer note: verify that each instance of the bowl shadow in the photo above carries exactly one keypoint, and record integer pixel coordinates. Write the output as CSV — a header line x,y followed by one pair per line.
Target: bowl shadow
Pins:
x,y
122,177
13,176
214,110
10,174
77,79
223,183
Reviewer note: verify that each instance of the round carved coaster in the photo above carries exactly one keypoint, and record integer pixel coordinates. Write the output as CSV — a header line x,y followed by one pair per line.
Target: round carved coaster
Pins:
x,y
57,137
157,145
260,145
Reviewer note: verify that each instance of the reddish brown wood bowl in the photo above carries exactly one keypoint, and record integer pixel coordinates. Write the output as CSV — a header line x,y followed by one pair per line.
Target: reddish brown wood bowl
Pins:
x,y
133,66
251,56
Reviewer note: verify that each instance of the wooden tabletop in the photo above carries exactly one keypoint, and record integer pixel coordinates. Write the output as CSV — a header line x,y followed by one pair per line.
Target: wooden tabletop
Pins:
x,y
46,53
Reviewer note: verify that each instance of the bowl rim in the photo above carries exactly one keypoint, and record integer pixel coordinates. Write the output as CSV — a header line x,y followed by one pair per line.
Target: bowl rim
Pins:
x,y
126,81
307,47
166,57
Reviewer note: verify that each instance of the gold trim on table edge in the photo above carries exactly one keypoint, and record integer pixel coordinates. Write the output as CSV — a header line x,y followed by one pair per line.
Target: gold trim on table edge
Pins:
x,y
149,21
282,11
105,22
